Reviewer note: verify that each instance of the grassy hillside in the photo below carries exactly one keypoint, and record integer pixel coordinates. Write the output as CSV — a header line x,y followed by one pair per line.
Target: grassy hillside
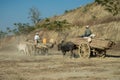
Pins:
x,y
89,14
102,23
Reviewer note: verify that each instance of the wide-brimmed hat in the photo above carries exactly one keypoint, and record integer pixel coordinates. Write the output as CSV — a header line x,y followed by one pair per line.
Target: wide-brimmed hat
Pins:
x,y
37,33
87,26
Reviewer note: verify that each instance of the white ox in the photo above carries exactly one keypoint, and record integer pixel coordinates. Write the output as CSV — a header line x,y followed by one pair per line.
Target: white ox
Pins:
x,y
23,48
26,48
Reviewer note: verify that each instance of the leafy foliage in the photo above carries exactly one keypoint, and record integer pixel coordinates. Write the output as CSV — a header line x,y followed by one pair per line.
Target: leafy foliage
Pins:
x,y
2,34
54,25
22,28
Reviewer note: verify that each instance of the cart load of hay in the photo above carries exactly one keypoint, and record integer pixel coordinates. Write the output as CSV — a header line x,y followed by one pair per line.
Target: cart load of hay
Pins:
x,y
95,43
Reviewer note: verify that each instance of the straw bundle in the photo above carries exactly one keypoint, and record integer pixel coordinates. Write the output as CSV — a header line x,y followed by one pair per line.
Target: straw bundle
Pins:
x,y
96,43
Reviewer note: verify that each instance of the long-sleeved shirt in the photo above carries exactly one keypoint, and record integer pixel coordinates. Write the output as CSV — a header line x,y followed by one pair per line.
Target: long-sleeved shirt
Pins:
x,y
87,32
36,37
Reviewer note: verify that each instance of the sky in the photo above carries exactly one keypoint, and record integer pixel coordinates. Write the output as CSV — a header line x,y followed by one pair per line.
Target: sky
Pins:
x,y
15,11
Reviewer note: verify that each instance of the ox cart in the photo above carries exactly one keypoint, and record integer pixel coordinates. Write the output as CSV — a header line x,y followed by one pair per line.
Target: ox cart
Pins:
x,y
31,49
28,47
41,49
97,47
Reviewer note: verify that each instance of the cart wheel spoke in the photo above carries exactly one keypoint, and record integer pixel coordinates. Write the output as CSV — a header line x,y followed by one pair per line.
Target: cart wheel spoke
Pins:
x,y
84,50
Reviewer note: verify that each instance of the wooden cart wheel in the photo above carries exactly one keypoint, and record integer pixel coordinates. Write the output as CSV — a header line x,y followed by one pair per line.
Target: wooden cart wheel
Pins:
x,y
44,50
84,50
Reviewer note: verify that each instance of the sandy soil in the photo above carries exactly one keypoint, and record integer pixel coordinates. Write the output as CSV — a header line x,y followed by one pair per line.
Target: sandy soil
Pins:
x,y
16,66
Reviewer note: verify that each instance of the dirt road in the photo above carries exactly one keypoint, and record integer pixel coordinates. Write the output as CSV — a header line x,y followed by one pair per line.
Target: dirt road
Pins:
x,y
16,66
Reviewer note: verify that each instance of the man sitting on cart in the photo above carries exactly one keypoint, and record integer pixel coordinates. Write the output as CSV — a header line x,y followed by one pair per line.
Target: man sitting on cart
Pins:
x,y
37,39
87,33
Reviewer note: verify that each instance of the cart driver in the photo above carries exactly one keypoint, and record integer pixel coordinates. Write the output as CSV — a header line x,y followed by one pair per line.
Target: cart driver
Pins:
x,y
36,38
87,33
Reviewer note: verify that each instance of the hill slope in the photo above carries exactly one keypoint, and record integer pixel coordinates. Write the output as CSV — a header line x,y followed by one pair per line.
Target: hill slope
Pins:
x,y
102,22
89,14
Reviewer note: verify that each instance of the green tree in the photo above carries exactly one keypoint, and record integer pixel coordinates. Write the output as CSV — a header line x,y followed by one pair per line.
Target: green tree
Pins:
x,y
66,11
8,30
22,28
2,34
15,31
34,15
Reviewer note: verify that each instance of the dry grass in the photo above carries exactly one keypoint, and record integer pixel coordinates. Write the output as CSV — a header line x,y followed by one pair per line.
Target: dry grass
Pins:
x,y
102,23
90,14
108,31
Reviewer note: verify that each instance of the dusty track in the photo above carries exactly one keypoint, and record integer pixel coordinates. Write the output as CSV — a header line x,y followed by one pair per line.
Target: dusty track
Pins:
x,y
15,66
